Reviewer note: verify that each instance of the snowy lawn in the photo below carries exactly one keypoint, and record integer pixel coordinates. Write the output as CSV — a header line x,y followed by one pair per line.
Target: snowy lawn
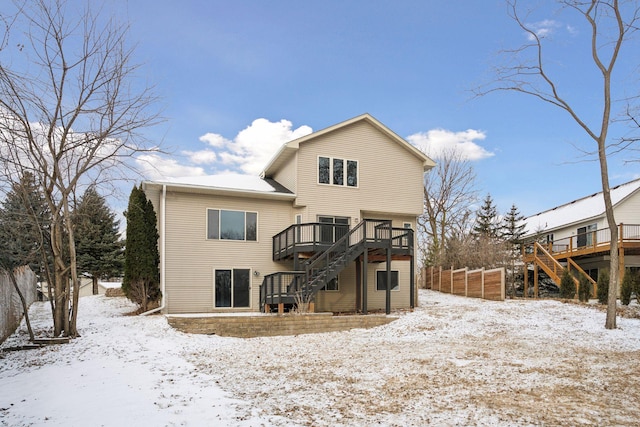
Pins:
x,y
452,362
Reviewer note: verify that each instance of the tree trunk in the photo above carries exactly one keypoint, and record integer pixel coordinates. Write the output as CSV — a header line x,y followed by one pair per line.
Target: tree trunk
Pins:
x,y
94,281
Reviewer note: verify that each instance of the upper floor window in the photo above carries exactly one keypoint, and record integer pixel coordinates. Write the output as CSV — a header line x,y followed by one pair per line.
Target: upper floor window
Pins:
x,y
337,171
232,225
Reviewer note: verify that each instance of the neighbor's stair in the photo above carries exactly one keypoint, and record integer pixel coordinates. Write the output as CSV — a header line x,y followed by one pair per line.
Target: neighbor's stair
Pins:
x,y
543,259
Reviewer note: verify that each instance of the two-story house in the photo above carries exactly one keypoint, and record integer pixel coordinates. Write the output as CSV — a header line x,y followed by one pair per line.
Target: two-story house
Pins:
x,y
329,221
576,235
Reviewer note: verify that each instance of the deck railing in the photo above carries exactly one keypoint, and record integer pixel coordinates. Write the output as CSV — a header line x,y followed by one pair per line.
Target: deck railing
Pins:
x,y
317,237
330,258
277,286
589,242
313,236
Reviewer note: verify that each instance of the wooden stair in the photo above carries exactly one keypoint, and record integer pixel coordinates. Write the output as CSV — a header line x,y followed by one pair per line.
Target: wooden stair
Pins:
x,y
543,259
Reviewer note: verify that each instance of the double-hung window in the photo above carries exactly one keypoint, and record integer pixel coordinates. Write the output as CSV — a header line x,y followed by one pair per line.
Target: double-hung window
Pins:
x,y
232,225
336,171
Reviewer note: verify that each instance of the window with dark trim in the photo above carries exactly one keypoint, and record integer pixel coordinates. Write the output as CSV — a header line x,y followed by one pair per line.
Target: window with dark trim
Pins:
x,y
232,225
337,171
381,280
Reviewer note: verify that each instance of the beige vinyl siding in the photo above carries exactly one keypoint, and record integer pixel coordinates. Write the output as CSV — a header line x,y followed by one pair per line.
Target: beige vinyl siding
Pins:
x,y
400,298
191,258
343,300
389,177
287,175
628,212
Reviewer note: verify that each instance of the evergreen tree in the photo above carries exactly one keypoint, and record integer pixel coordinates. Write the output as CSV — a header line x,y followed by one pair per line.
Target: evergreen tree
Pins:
x,y
487,222
99,249
512,230
513,226
584,291
603,286
626,288
24,219
23,234
567,285
141,283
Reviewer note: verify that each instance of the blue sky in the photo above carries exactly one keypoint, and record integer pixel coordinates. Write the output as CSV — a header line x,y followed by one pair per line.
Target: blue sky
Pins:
x,y
237,78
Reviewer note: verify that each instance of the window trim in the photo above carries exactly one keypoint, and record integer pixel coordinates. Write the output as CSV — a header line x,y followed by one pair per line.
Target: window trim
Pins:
x,y
385,271
232,307
345,172
219,239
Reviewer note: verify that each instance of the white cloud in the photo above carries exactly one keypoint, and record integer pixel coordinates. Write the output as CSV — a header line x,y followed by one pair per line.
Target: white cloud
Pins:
x,y
202,157
255,145
214,140
543,28
154,166
436,142
249,152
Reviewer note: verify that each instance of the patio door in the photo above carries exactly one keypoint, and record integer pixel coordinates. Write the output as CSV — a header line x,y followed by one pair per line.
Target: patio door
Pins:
x,y
585,235
232,288
335,228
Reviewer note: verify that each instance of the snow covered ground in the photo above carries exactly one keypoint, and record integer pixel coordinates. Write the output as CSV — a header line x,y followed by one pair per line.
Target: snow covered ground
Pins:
x,y
452,362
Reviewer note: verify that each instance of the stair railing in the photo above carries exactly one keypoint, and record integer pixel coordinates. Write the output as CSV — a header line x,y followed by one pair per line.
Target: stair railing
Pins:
x,y
320,265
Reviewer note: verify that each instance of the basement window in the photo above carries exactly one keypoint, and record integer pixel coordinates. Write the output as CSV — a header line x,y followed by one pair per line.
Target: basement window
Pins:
x,y
381,280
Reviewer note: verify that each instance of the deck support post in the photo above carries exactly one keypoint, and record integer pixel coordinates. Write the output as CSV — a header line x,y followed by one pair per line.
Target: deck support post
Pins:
x,y
387,308
365,266
412,284
535,281
281,308
526,279
358,284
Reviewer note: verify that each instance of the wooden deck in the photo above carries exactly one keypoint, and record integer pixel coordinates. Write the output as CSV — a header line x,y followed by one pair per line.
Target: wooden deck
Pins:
x,y
597,242
571,250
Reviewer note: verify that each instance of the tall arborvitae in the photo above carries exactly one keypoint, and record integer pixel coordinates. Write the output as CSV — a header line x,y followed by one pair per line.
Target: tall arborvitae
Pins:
x,y
99,249
141,283
487,221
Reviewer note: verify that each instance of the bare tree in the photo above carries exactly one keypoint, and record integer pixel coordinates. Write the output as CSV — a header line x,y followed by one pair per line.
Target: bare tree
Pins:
x,y
71,111
610,24
448,196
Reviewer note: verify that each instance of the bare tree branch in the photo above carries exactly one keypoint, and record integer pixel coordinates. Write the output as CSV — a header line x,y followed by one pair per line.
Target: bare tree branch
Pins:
x,y
72,116
611,25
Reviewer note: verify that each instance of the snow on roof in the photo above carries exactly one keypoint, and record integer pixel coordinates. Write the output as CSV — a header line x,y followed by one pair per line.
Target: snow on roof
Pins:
x,y
230,181
577,210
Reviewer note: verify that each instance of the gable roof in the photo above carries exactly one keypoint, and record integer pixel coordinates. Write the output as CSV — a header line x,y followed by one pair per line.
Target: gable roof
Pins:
x,y
578,210
289,149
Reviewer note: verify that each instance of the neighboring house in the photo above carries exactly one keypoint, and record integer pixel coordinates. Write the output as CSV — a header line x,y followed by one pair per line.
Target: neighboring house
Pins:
x,y
576,235
330,220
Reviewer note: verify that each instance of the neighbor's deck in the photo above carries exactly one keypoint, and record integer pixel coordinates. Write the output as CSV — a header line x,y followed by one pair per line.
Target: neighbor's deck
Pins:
x,y
593,243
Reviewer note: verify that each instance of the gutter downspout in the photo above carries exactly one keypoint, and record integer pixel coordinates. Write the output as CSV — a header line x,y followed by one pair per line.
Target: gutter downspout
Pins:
x,y
163,209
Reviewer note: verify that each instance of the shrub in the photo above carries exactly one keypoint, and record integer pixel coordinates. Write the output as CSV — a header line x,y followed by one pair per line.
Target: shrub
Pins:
x,y
584,292
603,286
567,285
626,288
